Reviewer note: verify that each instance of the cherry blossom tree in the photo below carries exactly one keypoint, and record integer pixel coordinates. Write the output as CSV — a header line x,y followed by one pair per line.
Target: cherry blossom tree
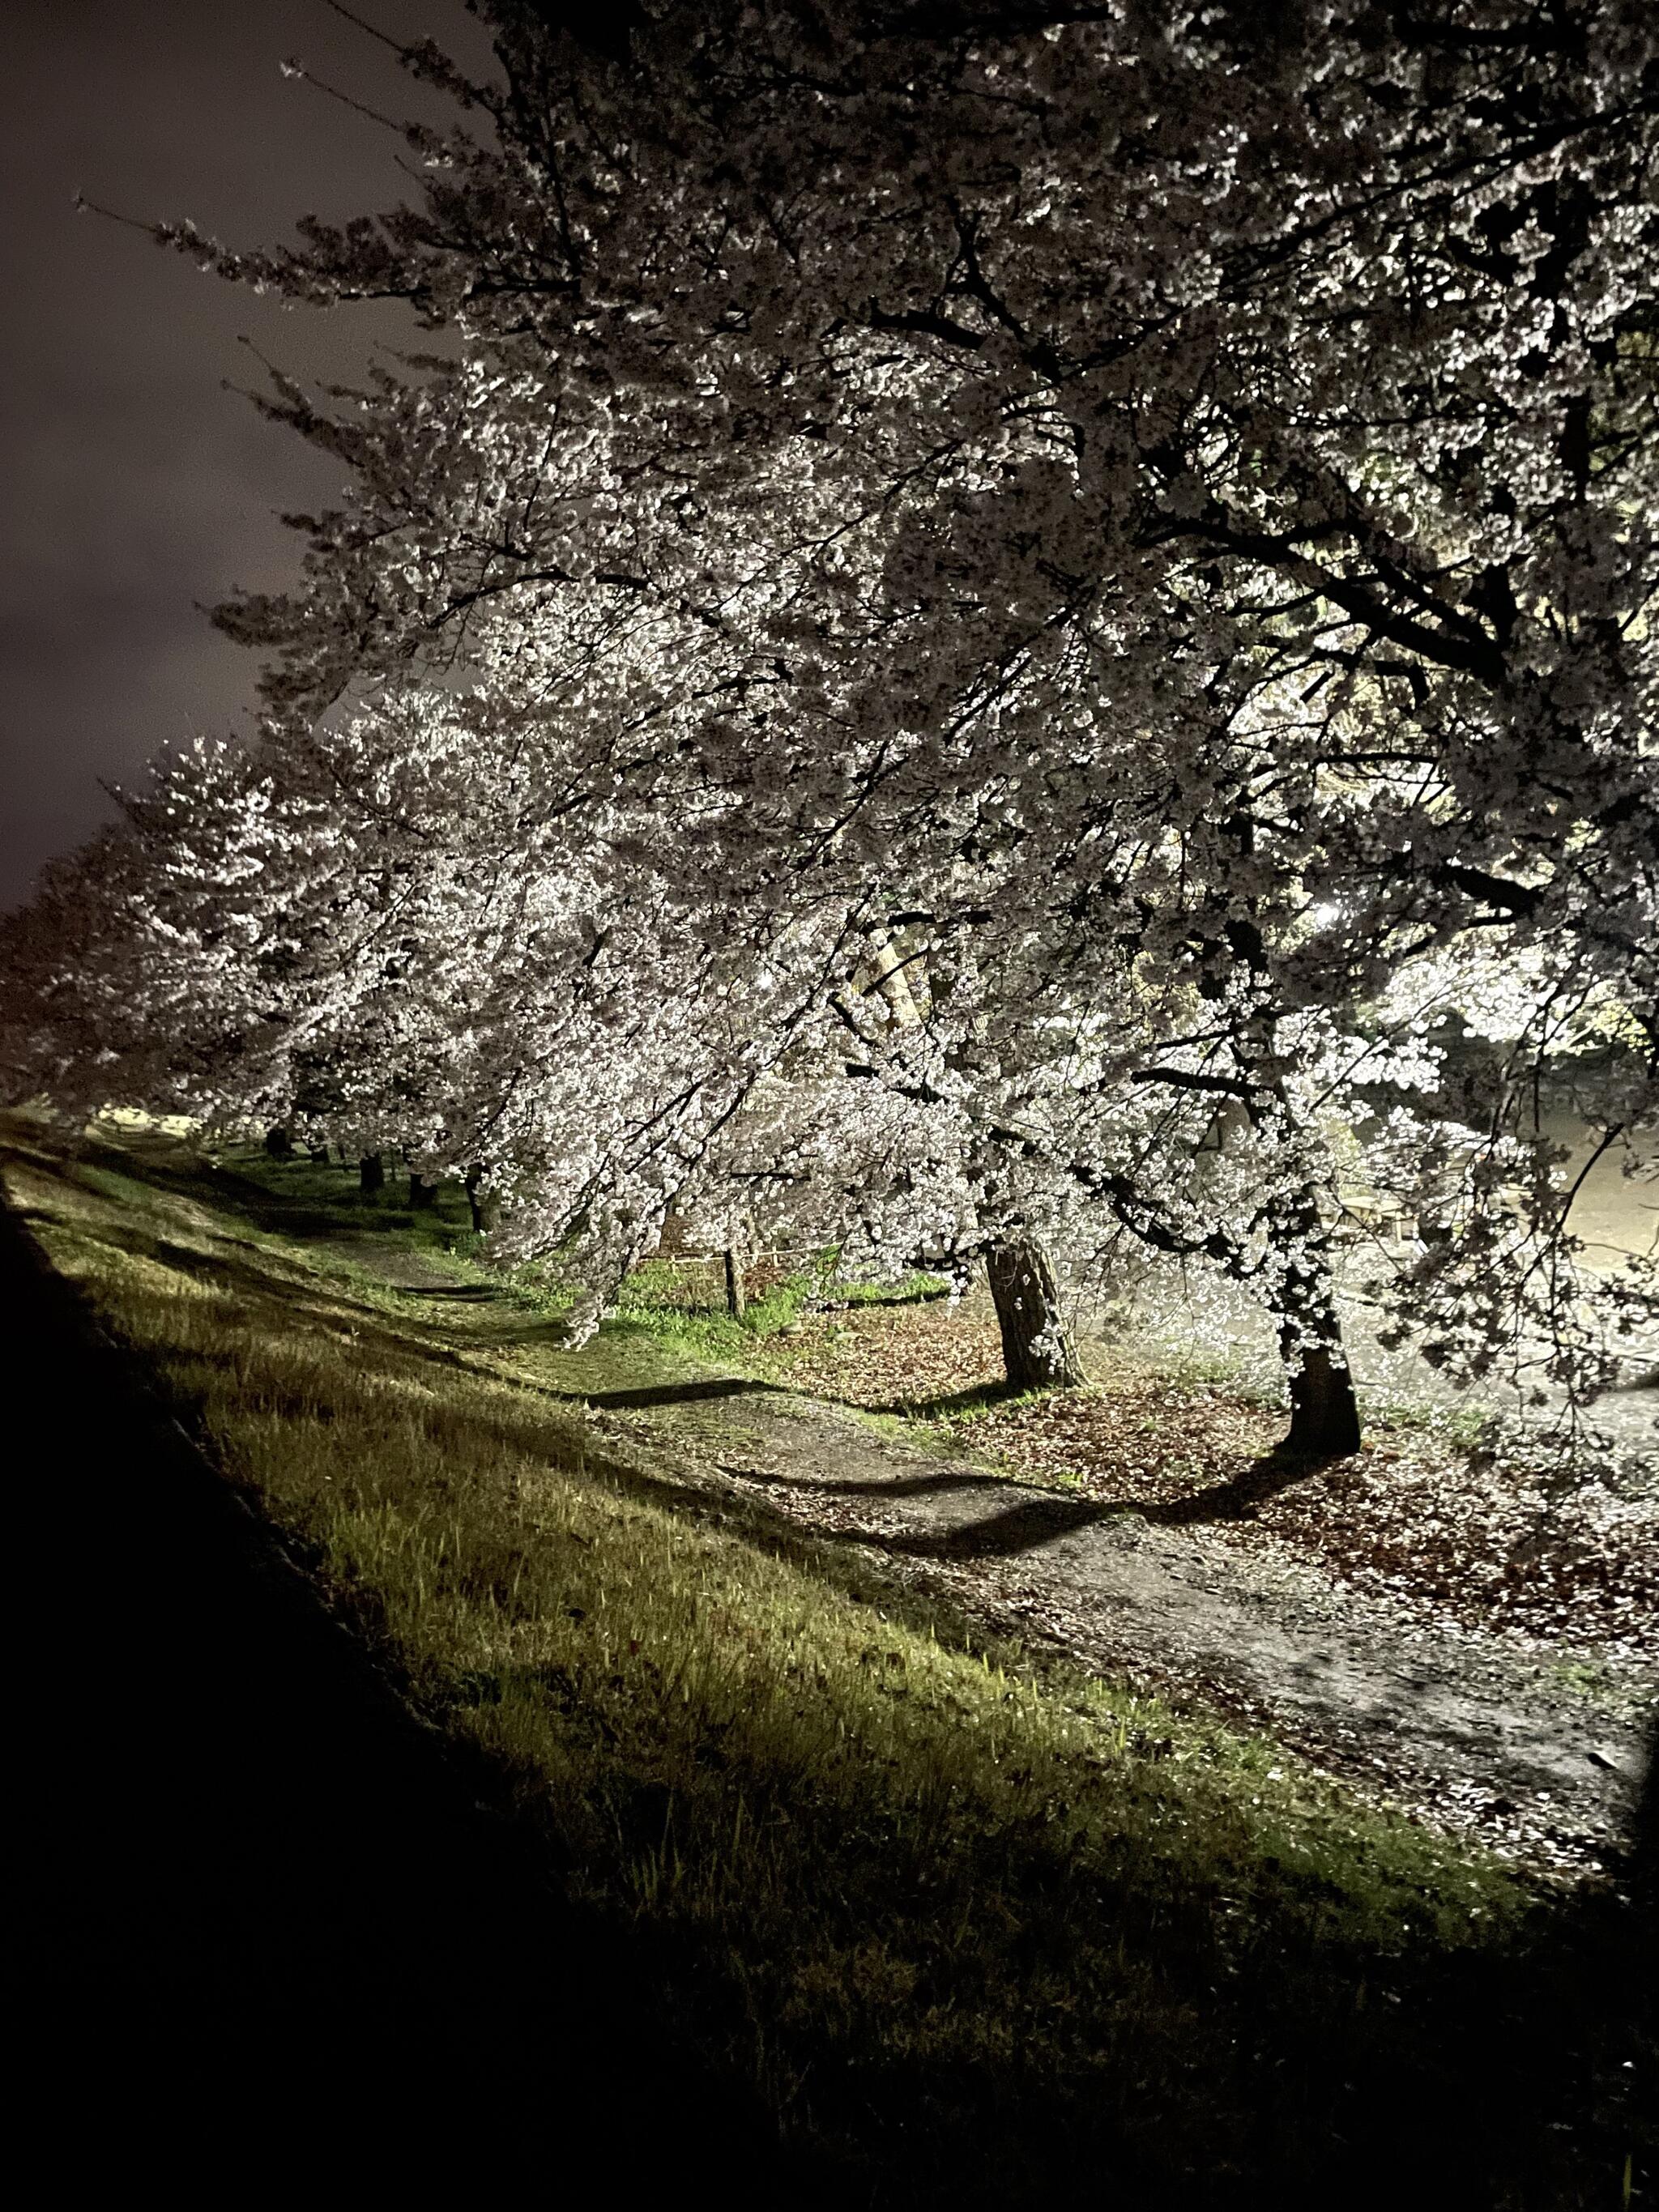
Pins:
x,y
381,937
1152,518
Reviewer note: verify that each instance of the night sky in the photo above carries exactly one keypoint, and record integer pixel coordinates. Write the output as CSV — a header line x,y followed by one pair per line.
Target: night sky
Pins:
x,y
136,489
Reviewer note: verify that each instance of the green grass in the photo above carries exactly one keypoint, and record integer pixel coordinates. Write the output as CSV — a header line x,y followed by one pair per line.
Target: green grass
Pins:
x,y
661,1299
973,1926
1459,1426
1590,1679
680,1302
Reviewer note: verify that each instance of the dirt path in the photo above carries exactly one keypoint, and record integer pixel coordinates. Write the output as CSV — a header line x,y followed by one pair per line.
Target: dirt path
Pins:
x,y
1470,1730
263,1918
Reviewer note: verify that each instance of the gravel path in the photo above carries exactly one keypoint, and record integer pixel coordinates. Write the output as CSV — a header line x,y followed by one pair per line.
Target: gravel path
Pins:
x,y
1472,1730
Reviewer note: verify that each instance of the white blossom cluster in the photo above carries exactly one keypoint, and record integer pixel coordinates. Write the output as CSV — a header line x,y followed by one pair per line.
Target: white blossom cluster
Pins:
x,y
1004,622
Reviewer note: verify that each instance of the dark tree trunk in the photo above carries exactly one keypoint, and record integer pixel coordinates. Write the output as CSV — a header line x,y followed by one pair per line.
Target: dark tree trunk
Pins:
x,y
371,1173
279,1144
1324,1413
485,1206
422,1195
737,1289
1642,1864
1037,1348
1324,1417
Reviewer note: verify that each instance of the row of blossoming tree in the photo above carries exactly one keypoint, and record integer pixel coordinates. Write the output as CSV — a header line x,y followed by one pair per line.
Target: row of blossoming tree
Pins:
x,y
986,628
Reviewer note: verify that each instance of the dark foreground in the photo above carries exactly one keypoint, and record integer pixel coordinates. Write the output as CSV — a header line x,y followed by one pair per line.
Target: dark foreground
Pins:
x,y
274,1935
267,1932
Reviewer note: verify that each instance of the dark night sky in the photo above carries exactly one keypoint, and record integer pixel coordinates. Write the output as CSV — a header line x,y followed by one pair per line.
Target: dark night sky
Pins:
x,y
135,485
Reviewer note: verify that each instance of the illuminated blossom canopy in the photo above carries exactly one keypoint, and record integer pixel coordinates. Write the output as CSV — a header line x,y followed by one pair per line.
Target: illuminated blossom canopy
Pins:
x,y
1029,592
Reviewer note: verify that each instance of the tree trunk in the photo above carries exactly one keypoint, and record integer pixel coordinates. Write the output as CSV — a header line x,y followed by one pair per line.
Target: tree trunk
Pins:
x,y
1037,1347
1324,1413
737,1291
422,1195
485,1206
279,1144
1642,1864
1324,1417
371,1173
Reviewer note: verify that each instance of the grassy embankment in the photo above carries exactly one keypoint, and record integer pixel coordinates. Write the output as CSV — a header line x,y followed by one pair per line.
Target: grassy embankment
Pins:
x,y
975,1928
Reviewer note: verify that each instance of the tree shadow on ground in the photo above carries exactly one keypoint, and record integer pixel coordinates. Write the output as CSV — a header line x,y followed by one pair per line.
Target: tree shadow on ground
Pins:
x,y
1034,1518
284,1294
257,1809
1031,1520
157,1161
271,1292
666,1393
975,1398
1491,2074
